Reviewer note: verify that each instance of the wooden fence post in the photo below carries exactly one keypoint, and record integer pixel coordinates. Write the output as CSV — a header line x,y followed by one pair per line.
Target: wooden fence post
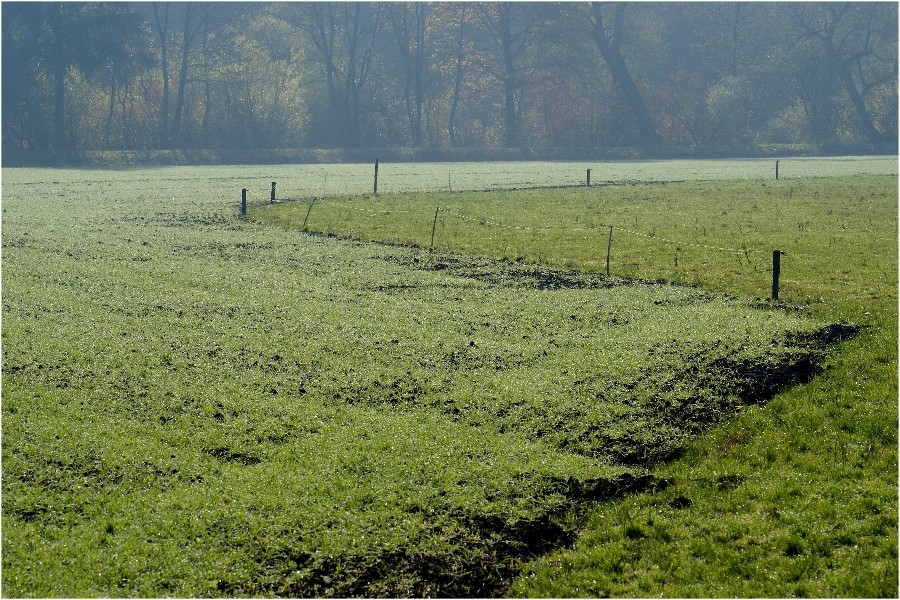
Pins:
x,y
309,210
244,202
589,178
776,272
776,169
272,195
434,225
375,188
608,248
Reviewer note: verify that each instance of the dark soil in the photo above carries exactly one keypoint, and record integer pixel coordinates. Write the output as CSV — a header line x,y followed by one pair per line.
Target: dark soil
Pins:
x,y
494,552
516,274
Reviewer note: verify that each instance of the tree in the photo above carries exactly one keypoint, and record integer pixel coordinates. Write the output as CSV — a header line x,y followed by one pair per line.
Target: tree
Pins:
x,y
343,39
608,34
26,131
199,19
161,21
459,55
729,75
193,26
860,48
194,18
511,27
64,36
128,55
455,54
409,21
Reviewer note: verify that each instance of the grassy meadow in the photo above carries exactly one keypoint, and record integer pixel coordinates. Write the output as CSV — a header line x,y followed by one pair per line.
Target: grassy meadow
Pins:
x,y
196,404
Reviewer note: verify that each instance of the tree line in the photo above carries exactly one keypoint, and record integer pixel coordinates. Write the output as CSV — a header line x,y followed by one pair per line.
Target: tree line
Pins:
x,y
723,77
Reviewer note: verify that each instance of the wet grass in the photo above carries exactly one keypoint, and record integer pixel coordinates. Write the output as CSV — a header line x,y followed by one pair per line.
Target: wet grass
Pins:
x,y
797,498
195,405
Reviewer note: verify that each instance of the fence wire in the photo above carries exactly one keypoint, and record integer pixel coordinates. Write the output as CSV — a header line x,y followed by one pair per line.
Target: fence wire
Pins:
x,y
547,228
404,181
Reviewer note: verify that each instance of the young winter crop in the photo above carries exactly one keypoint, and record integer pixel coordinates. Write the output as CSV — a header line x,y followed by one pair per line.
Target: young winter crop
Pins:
x,y
198,405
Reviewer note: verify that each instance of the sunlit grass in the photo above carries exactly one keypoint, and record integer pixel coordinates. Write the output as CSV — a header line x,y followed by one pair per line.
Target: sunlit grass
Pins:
x,y
797,498
195,405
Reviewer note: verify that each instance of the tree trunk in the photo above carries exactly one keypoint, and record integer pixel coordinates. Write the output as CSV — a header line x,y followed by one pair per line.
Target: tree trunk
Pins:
x,y
421,14
859,105
162,30
823,25
351,83
182,74
107,129
59,85
509,76
322,30
399,14
59,106
207,84
457,80
734,38
609,48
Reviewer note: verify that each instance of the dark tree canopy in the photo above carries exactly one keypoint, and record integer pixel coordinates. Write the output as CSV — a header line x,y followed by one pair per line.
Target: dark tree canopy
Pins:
x,y
653,78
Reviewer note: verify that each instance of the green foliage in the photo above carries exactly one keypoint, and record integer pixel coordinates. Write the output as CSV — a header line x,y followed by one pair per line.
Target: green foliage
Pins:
x,y
198,405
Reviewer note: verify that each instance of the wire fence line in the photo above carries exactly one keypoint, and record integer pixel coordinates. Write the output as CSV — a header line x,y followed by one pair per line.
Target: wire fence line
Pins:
x,y
508,180
367,212
349,179
670,242
481,221
354,183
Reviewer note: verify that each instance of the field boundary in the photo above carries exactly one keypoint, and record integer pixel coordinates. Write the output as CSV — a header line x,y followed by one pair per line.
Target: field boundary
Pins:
x,y
605,231
262,156
596,229
379,178
480,221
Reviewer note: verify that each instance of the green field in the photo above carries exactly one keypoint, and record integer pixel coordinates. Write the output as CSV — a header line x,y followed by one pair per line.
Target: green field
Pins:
x,y
195,404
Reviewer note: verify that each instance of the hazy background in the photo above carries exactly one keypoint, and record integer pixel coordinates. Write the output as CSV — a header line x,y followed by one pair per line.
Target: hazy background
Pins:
x,y
449,80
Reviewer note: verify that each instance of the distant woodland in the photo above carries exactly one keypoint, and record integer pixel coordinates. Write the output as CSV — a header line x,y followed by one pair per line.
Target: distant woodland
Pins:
x,y
647,79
